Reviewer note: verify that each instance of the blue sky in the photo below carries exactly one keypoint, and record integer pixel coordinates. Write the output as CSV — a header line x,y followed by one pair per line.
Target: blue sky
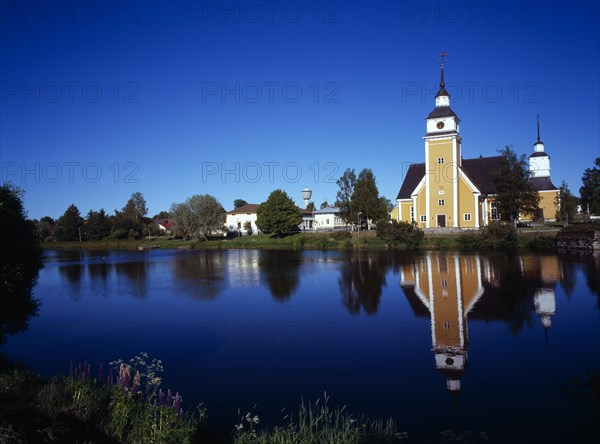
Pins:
x,y
235,99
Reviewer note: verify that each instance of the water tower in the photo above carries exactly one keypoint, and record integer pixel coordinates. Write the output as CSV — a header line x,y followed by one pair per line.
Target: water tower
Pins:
x,y
306,195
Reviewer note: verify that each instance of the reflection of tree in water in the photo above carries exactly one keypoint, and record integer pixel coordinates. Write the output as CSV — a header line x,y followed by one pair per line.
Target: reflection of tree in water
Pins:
x,y
17,305
137,274
72,273
279,270
201,273
99,271
568,275
511,298
592,275
362,278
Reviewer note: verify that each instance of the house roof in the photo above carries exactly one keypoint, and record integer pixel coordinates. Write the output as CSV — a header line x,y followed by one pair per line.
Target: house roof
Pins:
x,y
248,208
328,210
165,223
305,212
252,208
542,183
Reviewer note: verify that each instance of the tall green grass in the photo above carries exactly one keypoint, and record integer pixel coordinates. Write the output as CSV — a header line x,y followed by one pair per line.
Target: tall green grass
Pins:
x,y
318,423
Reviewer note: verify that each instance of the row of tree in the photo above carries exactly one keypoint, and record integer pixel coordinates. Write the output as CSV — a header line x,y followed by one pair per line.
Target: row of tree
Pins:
x,y
357,198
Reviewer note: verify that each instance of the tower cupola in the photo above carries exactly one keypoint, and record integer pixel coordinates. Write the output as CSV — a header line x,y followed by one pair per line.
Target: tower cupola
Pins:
x,y
539,161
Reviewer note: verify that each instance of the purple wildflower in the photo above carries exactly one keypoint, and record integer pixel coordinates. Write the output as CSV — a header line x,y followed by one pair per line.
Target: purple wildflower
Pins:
x,y
110,382
181,414
136,382
100,371
124,377
177,403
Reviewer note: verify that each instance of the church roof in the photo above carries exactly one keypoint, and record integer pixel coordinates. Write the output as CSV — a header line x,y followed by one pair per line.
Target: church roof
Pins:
x,y
478,170
542,183
539,154
415,173
441,111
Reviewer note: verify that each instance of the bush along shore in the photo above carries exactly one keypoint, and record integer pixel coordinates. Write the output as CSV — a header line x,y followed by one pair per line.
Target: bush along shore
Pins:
x,y
126,404
397,235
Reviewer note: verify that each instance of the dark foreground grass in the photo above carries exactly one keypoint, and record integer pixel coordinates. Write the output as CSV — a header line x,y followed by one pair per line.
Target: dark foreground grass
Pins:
x,y
79,408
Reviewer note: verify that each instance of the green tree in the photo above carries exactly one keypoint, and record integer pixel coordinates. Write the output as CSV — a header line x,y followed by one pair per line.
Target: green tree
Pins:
x,y
346,183
198,216
20,260
279,214
68,225
209,212
97,225
45,228
366,200
18,235
566,204
396,233
590,190
324,204
515,194
310,206
162,215
139,205
239,203
131,221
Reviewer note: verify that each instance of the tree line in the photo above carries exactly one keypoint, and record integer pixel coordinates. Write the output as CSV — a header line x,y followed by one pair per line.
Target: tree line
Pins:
x,y
357,198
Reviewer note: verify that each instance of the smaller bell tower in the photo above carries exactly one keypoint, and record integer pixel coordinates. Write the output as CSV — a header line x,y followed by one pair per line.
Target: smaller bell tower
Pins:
x,y
539,161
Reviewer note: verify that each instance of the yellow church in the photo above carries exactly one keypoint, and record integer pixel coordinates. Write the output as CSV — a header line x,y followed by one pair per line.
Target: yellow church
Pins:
x,y
449,191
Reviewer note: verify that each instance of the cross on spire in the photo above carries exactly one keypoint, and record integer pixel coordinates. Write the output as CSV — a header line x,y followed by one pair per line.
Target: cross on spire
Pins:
x,y
442,61
538,126
442,91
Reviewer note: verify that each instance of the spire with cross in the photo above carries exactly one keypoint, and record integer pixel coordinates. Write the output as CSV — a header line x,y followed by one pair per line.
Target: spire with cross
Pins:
x,y
442,91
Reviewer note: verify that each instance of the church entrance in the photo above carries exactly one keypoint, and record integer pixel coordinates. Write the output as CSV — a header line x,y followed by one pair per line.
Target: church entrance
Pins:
x,y
441,220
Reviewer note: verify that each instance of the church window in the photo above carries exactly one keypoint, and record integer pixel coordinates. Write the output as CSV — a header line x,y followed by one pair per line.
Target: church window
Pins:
x,y
423,218
467,217
441,202
440,160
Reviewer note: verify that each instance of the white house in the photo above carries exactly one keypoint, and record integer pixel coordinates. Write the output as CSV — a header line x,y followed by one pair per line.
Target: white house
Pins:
x,y
236,219
328,219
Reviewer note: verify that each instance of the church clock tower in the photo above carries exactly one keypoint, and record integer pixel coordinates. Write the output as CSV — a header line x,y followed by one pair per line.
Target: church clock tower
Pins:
x,y
442,161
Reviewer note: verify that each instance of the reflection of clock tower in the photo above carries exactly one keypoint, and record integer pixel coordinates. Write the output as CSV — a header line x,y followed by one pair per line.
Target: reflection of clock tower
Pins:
x,y
442,161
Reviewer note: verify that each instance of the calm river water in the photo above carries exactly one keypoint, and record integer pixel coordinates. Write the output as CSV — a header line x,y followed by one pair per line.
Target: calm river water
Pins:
x,y
505,345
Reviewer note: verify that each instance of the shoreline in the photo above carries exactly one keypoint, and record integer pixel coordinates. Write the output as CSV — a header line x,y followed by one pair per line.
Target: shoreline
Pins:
x,y
533,241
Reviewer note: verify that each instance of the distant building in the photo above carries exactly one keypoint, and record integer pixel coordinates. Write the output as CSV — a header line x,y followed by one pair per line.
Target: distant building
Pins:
x,y
235,220
165,225
449,191
329,218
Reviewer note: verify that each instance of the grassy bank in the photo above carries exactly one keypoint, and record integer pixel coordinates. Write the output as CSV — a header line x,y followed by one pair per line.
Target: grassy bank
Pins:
x,y
527,241
133,409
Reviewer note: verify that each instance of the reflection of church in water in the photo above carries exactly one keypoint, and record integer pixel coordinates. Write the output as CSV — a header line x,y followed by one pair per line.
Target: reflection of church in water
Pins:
x,y
451,289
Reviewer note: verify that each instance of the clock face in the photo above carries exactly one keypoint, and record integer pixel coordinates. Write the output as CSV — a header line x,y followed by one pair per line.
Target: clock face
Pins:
x,y
440,125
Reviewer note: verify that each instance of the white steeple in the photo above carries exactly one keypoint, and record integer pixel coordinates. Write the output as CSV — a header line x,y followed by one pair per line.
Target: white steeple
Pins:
x,y
539,161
